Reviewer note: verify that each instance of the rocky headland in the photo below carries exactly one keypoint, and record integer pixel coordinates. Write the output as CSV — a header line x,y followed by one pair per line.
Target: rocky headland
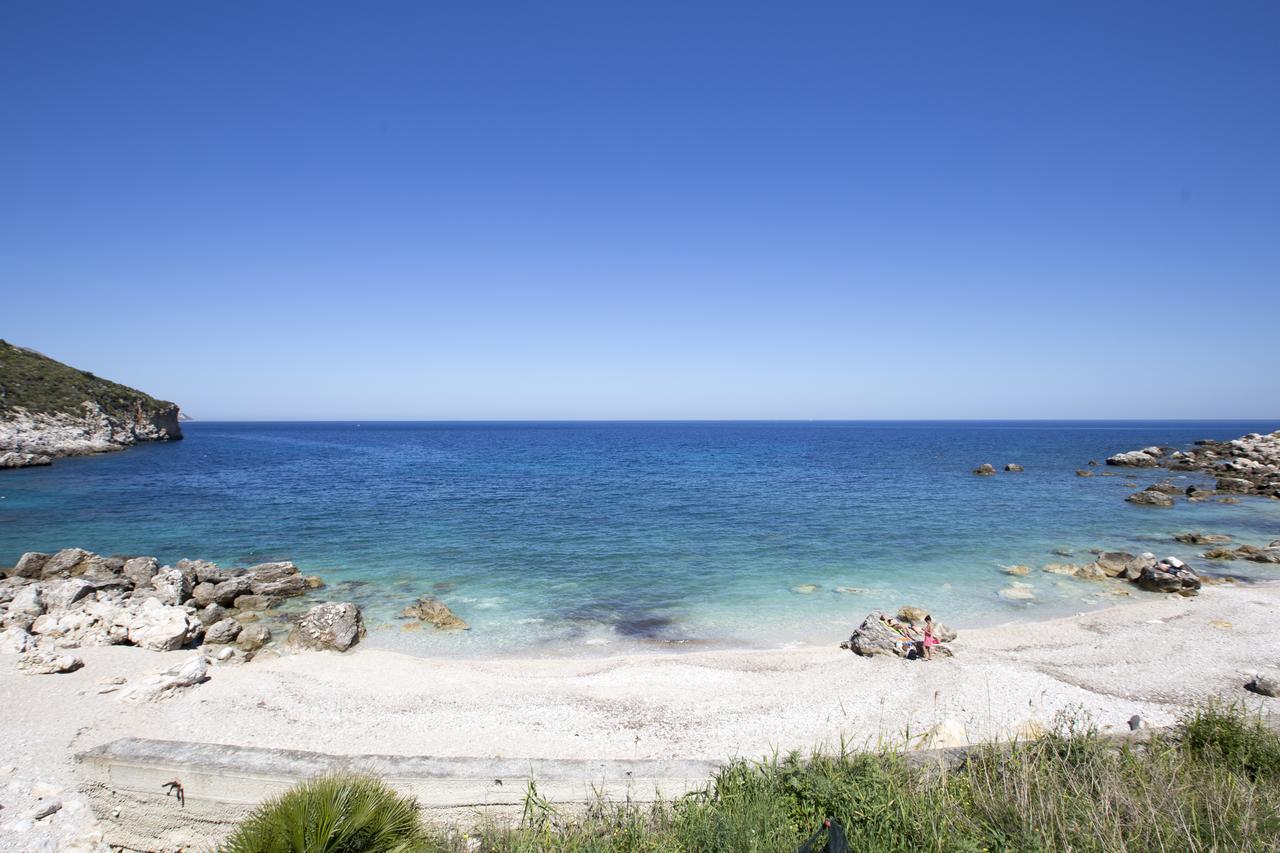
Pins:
x,y
1249,465
49,409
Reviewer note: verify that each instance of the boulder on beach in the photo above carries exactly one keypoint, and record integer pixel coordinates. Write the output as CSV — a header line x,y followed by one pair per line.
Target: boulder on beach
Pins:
x,y
155,625
434,612
335,626
875,636
161,685
253,637
43,663
1112,563
986,469
1150,499
1169,575
29,565
1265,685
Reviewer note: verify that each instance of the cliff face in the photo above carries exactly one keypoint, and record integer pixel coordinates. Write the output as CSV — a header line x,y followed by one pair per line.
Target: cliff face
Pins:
x,y
48,409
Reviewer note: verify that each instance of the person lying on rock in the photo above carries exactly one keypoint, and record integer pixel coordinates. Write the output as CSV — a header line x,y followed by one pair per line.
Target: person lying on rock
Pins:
x,y
905,639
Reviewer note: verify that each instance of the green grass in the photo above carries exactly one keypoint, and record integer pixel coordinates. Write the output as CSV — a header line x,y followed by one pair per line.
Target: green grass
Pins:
x,y
31,381
1212,783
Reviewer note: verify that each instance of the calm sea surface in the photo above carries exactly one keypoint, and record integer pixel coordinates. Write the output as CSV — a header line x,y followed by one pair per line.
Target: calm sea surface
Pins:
x,y
602,537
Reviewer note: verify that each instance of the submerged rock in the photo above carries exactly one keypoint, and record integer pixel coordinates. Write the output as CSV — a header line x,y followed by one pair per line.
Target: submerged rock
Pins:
x,y
1150,499
332,626
1017,571
1018,592
435,612
1196,538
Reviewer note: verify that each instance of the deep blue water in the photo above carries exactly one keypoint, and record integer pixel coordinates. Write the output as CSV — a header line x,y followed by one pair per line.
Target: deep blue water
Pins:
x,y
604,535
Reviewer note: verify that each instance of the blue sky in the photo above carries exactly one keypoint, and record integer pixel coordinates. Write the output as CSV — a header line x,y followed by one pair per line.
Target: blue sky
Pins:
x,y
481,210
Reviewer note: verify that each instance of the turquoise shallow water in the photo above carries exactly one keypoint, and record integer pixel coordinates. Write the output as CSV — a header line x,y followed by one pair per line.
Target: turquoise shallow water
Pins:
x,y
602,537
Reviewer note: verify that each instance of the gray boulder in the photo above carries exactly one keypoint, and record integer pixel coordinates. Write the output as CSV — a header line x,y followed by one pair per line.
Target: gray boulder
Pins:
x,y
222,632
60,595
30,565
212,613
1112,563
330,626
203,571
1265,685
155,625
1163,488
254,602
226,592
172,586
1236,485
1134,567
141,570
202,595
65,563
253,637
1165,578
43,663
15,641
286,587
876,637
150,688
1150,499
1134,459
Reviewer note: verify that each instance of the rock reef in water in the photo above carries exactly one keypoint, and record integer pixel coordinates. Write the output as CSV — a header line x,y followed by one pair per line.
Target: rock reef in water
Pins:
x,y
49,410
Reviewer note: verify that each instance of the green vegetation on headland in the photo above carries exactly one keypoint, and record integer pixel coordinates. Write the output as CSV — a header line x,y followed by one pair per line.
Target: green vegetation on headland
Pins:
x,y
1210,783
37,383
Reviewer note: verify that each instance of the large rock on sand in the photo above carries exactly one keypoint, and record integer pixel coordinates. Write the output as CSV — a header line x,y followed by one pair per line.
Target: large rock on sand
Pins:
x,y
875,637
161,685
155,625
331,626
435,612
1164,577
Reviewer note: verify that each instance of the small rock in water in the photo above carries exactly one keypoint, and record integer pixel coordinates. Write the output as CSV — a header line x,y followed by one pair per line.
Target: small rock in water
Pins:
x,y
986,469
1151,499
805,588
436,613
1082,473
852,590
1018,592
1013,466
1017,571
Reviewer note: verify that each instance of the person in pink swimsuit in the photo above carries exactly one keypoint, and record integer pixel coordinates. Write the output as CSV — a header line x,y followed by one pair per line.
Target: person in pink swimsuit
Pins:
x,y
929,640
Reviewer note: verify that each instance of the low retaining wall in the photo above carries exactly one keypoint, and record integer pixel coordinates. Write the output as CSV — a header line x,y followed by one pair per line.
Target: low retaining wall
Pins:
x,y
125,781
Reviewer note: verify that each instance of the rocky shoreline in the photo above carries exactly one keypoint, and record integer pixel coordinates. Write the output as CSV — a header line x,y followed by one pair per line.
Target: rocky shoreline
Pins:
x,y
1249,465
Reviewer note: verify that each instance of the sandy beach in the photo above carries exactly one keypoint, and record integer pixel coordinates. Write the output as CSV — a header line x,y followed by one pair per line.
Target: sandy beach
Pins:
x,y
1153,657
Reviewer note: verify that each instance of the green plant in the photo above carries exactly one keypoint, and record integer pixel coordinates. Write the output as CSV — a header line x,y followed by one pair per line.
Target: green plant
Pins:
x,y
336,813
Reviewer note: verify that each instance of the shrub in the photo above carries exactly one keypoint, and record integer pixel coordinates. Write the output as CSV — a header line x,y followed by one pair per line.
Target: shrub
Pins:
x,y
336,813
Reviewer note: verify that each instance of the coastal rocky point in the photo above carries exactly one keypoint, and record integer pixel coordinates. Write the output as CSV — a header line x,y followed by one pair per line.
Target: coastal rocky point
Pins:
x,y
1249,465
51,603
49,410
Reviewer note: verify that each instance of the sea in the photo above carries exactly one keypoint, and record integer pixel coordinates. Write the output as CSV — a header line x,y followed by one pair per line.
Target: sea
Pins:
x,y
598,538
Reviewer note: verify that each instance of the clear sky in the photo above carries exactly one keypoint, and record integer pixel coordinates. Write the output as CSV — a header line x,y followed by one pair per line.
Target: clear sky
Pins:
x,y
657,210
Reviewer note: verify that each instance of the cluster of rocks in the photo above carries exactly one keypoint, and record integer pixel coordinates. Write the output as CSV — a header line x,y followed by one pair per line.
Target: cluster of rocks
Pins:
x,y
880,634
986,469
1144,570
37,816
53,602
1269,554
1249,465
